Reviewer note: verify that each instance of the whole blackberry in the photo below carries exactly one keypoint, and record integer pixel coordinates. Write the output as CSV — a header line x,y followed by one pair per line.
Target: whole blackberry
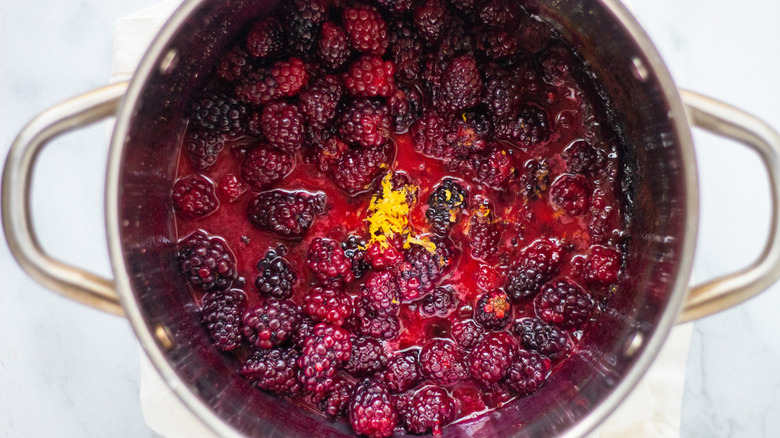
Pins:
x,y
303,18
431,409
527,372
371,410
324,353
376,324
328,263
406,49
277,278
467,334
203,148
221,314
445,205
493,310
563,303
265,39
602,265
206,261
528,128
430,18
484,231
291,76
263,167
430,133
217,113
384,256
270,323
396,7
333,47
441,302
468,6
230,188
258,87
370,76
581,157
282,125
286,214
502,93
491,358
536,264
546,339
365,122
499,13
273,371
334,403
234,64
494,167
356,170
328,305
380,293
556,62
422,269
570,193
405,105
455,40
366,29
193,196
462,83
354,250
469,133
442,362
401,373
534,178
304,330
318,102
368,357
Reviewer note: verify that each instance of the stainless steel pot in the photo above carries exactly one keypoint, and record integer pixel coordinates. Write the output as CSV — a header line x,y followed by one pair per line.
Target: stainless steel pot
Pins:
x,y
660,182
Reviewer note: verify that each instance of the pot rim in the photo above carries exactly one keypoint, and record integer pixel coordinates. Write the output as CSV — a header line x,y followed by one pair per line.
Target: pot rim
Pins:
x,y
149,337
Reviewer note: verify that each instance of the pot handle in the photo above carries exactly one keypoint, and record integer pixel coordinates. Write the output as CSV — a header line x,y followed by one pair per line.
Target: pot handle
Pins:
x,y
732,289
72,282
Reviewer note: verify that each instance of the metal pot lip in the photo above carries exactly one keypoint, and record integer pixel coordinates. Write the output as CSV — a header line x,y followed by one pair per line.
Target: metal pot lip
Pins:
x,y
156,58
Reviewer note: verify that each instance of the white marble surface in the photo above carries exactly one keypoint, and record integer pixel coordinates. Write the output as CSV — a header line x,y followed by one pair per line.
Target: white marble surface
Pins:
x,y
69,371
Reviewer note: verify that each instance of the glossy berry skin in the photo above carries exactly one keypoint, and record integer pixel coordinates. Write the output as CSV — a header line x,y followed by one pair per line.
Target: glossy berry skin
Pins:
x,y
203,148
528,128
277,278
527,372
365,123
430,135
286,214
193,196
380,293
264,167
318,102
441,302
371,410
327,261
602,266
324,353
462,83
405,105
534,178
535,265
563,303
467,334
376,324
273,371
221,314
445,204
217,113
570,193
235,64
333,46
270,323
401,373
368,357
442,362
328,305
581,157
291,76
493,311
422,270
355,172
282,125
493,167
430,410
334,403
484,231
366,29
490,359
265,39
535,335
230,188
430,19
207,262
501,93
370,76
405,50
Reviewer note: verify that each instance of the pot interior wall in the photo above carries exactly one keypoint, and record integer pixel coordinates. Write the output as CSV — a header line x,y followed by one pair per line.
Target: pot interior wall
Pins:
x,y
652,179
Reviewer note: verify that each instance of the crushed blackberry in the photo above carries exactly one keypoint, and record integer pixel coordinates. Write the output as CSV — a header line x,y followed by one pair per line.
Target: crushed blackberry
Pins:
x,y
354,250
405,106
602,265
534,178
493,310
493,167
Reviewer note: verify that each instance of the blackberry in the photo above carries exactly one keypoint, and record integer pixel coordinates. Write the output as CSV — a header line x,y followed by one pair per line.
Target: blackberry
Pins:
x,y
467,6
286,214
193,196
497,44
370,76
493,167
282,125
230,188
217,113
270,323
455,41
422,269
430,18
263,167
469,133
258,87
563,303
329,153
384,257
323,354
304,330
536,264
368,357
356,170
534,178
527,372
328,263
333,47
493,310
221,314
406,49
381,293
546,339
429,134
396,7
401,373
462,83
206,261
431,409
570,193
290,76
334,403
491,358
441,302
265,39
203,148
318,102
484,231
499,13
353,249
405,106
502,93
273,371
442,362
445,205
366,29
556,63
365,122
371,410
528,128
234,64
277,278
328,305
467,334
602,265
304,18
581,157
376,324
